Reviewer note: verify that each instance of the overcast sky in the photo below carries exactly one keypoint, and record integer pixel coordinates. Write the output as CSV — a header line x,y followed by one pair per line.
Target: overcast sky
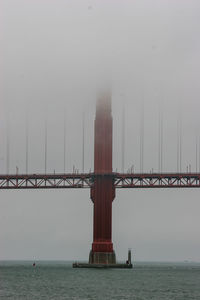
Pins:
x,y
56,55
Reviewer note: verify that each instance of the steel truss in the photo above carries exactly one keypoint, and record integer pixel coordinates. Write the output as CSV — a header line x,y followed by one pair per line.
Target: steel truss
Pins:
x,y
120,180
45,181
158,180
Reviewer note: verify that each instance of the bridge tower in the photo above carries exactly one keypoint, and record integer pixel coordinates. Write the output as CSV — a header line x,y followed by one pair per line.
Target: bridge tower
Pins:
x,y
103,190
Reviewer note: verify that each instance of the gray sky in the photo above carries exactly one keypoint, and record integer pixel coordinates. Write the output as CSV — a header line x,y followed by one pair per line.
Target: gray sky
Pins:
x,y
56,55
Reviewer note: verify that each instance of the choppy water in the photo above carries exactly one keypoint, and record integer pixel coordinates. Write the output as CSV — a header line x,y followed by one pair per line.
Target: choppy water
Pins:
x,y
58,280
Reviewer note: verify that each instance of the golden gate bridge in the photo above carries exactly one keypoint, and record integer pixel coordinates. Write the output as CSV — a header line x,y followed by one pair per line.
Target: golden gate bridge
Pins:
x,y
102,183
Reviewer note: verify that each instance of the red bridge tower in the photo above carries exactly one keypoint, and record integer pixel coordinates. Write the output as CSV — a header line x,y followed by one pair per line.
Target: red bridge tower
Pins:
x,y
103,190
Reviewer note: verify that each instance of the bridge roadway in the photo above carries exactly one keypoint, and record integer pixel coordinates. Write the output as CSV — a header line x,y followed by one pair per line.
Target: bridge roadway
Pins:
x,y
85,180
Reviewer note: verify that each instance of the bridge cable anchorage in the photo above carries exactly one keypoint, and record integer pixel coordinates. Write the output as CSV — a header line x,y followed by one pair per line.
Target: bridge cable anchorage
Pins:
x,y
123,138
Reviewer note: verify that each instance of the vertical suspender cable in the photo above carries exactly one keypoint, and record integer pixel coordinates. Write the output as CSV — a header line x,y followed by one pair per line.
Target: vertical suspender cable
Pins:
x,y
27,133
64,146
178,146
199,154
161,143
142,137
123,137
196,155
45,148
160,138
83,143
8,146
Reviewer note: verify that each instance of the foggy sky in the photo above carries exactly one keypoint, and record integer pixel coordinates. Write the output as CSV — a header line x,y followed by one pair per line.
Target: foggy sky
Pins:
x,y
56,55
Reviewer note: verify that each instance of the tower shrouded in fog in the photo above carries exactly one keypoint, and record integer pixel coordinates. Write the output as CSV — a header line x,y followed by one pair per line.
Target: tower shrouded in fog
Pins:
x,y
103,190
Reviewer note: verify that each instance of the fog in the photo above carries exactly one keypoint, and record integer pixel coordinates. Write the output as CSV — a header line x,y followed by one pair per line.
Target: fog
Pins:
x,y
56,56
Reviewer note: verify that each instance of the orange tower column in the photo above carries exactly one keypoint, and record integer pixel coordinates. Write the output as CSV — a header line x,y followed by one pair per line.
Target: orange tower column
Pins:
x,y
103,191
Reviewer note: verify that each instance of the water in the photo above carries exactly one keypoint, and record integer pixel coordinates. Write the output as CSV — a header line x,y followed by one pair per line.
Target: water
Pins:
x,y
58,280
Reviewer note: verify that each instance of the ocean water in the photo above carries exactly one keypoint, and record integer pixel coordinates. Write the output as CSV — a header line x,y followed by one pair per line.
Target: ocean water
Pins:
x,y
58,280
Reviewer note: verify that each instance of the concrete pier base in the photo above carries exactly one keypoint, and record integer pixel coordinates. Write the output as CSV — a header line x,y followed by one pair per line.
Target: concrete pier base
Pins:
x,y
102,266
102,257
104,260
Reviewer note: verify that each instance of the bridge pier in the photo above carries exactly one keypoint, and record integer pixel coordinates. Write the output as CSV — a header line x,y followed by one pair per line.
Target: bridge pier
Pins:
x,y
103,190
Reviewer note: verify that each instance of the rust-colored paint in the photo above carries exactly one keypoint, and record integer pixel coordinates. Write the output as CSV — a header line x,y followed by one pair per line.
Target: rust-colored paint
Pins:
x,y
103,190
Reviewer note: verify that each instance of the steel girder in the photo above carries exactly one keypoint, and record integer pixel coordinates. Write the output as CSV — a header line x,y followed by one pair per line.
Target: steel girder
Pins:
x,y
120,180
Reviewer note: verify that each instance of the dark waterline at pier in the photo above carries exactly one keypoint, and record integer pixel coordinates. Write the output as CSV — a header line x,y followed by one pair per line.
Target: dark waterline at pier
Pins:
x,y
58,280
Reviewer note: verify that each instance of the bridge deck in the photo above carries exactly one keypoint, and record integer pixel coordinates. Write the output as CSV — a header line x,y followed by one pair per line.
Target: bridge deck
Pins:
x,y
85,180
